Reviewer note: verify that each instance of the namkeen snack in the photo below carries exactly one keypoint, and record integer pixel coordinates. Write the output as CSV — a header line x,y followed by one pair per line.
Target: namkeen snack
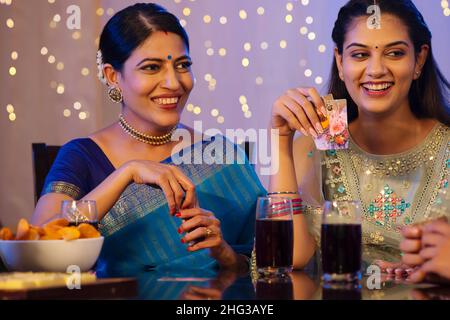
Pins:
x,y
58,229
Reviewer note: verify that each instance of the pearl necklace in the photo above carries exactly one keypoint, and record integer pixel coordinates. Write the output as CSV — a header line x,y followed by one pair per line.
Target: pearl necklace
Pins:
x,y
152,140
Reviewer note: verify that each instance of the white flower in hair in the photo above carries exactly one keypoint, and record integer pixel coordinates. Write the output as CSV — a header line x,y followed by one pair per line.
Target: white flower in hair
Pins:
x,y
100,74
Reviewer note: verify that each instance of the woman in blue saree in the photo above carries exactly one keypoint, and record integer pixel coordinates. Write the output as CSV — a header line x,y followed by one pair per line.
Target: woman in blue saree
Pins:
x,y
158,209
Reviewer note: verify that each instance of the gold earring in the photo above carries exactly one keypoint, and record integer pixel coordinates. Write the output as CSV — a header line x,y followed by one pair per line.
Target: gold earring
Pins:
x,y
115,94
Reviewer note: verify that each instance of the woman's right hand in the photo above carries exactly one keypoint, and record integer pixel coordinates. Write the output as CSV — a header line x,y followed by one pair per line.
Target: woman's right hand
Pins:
x,y
298,109
173,182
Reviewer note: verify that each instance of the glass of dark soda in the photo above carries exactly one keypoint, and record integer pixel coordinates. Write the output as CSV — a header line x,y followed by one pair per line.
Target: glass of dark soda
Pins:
x,y
274,236
341,241
78,212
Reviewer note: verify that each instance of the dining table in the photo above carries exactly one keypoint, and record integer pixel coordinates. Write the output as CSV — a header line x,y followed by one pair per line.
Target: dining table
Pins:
x,y
229,285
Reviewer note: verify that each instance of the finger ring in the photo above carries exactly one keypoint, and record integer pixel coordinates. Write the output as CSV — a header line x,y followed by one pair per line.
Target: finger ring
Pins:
x,y
208,232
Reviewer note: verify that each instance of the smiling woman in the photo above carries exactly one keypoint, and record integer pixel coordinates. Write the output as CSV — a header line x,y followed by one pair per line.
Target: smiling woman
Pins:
x,y
153,213
399,117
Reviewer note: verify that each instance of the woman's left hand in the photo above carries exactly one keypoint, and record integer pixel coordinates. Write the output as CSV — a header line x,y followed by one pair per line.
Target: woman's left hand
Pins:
x,y
435,251
398,270
202,228
203,231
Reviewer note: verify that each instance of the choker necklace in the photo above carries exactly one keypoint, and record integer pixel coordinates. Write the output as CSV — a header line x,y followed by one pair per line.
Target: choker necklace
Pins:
x,y
153,140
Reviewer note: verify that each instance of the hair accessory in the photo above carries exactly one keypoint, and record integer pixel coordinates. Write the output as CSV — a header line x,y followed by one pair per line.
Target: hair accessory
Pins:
x,y
152,140
100,74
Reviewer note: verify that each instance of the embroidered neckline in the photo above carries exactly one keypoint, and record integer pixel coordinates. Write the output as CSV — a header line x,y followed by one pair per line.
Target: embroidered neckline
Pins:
x,y
400,163
436,128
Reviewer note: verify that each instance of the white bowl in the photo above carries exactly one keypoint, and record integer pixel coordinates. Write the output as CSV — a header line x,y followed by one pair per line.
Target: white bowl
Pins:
x,y
50,255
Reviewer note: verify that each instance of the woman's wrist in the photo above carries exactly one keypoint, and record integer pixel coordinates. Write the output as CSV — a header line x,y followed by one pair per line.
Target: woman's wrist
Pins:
x,y
227,258
127,171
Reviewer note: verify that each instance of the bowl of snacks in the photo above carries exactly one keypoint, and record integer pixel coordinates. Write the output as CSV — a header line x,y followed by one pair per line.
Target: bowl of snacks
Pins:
x,y
54,247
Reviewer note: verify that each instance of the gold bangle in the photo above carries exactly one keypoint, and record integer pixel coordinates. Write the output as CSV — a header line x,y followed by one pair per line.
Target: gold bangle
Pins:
x,y
281,192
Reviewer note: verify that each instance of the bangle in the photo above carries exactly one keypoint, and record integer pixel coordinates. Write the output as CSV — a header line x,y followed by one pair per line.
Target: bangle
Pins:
x,y
281,192
297,206
280,208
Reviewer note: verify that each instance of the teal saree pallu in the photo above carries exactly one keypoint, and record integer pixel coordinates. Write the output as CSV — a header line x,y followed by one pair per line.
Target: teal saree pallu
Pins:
x,y
140,234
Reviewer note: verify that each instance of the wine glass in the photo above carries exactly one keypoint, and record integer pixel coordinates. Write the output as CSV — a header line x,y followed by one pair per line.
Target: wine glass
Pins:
x,y
78,212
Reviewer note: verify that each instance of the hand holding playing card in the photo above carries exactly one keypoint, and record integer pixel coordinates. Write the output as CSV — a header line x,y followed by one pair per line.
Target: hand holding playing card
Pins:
x,y
335,125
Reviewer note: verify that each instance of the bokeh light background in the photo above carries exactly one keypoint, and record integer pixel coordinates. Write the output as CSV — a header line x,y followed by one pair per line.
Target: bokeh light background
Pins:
x,y
245,54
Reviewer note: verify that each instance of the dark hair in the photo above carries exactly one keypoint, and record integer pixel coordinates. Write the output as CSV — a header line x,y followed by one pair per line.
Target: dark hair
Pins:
x,y
429,94
130,27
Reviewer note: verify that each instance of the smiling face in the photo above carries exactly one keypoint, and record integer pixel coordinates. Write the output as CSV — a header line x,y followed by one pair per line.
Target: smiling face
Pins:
x,y
379,65
156,81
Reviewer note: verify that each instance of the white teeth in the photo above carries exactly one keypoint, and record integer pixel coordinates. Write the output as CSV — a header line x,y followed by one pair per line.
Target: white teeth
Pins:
x,y
377,87
164,101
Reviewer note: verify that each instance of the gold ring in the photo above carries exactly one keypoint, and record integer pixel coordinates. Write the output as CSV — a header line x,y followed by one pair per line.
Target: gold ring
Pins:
x,y
208,232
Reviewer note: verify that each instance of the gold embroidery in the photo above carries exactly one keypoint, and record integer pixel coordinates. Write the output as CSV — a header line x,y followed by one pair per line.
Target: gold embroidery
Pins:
x,y
63,187
403,163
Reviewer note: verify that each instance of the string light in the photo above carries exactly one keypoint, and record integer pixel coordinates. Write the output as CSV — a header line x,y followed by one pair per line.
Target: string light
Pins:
x,y
187,12
222,52
197,110
82,115
207,19
10,23
85,72
12,71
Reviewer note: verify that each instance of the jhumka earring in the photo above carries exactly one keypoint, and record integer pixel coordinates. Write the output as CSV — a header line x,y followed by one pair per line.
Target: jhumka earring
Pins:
x,y
115,94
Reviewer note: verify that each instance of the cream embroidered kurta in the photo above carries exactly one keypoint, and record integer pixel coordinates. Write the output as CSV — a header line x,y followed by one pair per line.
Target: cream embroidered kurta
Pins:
x,y
394,190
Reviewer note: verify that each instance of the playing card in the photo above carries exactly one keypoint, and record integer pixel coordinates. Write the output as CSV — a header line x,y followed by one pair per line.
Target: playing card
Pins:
x,y
335,125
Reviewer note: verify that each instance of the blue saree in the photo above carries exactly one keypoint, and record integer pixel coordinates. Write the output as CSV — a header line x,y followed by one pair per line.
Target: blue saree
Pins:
x,y
139,232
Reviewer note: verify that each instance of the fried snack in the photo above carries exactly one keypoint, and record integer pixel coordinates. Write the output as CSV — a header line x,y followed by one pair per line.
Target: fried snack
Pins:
x,y
58,222
88,231
22,229
6,234
69,233
57,229
32,234
51,232
39,230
